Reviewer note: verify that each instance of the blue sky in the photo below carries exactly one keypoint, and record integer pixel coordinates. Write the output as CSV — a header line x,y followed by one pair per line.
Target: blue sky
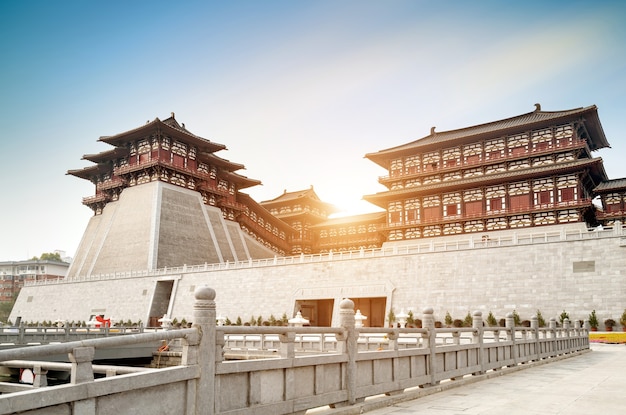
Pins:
x,y
298,91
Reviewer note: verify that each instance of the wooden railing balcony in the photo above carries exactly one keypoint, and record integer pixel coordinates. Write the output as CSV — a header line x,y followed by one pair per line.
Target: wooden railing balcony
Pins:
x,y
129,168
231,204
483,162
464,217
610,215
95,199
263,233
110,184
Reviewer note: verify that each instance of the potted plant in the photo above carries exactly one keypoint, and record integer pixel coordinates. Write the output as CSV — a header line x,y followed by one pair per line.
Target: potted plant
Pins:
x,y
593,321
622,321
391,317
609,323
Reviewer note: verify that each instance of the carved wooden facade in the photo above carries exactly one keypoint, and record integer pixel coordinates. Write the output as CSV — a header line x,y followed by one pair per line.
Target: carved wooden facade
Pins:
x,y
351,233
612,195
166,151
301,210
530,170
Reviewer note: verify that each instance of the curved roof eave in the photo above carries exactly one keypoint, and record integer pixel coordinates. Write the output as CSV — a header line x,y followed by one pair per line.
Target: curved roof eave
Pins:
x,y
220,162
242,181
106,155
121,139
531,120
88,172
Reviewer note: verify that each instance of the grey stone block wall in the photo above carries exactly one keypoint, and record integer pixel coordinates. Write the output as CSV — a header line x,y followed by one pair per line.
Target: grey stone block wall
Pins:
x,y
574,276
157,225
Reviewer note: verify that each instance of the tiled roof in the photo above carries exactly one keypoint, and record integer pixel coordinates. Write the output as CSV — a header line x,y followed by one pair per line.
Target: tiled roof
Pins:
x,y
535,119
616,184
298,194
88,172
113,154
169,126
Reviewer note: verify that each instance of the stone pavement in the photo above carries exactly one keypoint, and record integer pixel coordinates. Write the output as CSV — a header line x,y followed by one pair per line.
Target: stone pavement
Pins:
x,y
588,383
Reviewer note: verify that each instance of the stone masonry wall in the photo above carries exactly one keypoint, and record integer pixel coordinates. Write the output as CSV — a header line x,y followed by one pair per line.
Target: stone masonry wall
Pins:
x,y
574,276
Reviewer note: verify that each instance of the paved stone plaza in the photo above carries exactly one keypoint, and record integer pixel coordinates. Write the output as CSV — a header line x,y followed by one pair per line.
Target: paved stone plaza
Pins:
x,y
591,383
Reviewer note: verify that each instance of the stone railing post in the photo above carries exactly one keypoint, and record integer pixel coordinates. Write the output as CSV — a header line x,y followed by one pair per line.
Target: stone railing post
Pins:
x,y
347,322
20,333
81,358
393,336
510,333
41,377
534,327
205,356
566,334
82,372
552,327
478,338
287,345
428,322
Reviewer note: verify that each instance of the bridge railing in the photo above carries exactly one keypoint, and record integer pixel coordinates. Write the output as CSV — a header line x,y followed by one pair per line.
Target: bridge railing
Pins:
x,y
24,334
311,367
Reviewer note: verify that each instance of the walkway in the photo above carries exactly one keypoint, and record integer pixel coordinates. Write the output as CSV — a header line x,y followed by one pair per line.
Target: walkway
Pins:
x,y
591,383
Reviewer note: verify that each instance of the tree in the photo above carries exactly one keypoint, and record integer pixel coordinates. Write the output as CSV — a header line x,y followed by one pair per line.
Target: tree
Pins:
x,y
5,309
49,256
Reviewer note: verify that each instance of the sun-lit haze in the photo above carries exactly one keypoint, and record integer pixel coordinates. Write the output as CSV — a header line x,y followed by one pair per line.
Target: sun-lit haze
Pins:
x,y
298,91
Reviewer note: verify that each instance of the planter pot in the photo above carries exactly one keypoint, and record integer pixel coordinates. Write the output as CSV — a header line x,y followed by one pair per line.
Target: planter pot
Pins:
x,y
594,329
609,328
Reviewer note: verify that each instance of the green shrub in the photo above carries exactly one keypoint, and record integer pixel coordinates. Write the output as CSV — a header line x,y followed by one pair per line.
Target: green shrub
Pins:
x,y
468,321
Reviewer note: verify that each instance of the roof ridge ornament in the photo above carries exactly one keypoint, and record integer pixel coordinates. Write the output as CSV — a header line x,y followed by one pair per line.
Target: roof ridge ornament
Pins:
x,y
432,130
537,107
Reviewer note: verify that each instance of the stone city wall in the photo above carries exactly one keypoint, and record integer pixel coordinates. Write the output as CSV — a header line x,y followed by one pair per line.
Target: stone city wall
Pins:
x,y
575,276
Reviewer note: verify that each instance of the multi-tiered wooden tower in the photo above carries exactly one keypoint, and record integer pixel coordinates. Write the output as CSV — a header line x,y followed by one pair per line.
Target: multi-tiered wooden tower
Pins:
x,y
163,198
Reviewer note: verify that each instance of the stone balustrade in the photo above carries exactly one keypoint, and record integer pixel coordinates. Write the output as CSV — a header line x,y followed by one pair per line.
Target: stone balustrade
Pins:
x,y
312,367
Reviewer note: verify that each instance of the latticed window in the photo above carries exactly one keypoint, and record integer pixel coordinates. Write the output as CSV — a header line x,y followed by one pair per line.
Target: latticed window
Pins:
x,y
430,161
411,207
564,134
472,153
495,204
395,212
432,208
396,168
567,195
518,202
451,210
412,164
474,208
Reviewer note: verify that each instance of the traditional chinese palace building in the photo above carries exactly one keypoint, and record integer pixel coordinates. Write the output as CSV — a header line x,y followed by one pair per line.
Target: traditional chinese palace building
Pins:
x,y
163,195
301,210
531,170
523,194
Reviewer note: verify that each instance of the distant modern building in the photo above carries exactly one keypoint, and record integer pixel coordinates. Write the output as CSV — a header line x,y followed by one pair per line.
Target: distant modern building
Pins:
x,y
13,275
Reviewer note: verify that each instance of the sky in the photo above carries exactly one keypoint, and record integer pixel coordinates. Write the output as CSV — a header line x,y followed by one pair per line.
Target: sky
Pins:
x,y
298,91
